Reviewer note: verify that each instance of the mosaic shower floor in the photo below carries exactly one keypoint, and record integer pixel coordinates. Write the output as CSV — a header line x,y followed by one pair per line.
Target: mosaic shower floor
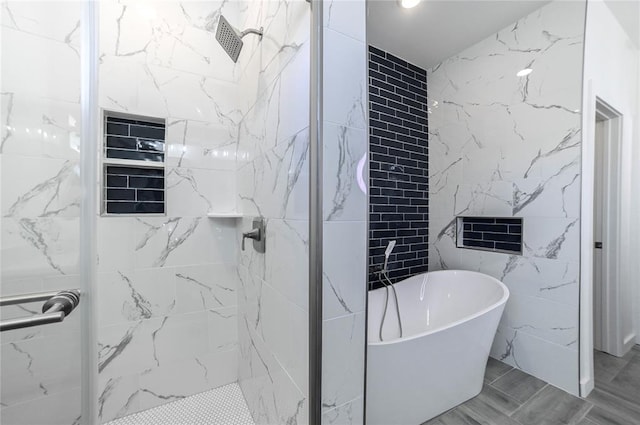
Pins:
x,y
224,405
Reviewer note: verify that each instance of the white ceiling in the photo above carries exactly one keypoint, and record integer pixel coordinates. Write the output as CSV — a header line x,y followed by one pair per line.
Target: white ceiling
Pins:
x,y
628,14
437,29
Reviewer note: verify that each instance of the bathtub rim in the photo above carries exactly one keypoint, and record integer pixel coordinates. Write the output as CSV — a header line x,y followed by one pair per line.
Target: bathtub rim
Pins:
x,y
468,318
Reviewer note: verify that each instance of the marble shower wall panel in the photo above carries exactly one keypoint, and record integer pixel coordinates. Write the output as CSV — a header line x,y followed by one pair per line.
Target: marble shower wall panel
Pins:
x,y
39,221
503,146
167,286
273,183
345,175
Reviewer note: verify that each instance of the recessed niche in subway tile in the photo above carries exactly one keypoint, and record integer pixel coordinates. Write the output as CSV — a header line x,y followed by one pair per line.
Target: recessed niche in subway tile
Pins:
x,y
133,165
496,234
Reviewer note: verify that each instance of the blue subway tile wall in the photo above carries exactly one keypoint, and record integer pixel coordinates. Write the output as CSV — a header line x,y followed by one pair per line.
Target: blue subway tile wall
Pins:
x,y
399,167
133,190
490,234
134,139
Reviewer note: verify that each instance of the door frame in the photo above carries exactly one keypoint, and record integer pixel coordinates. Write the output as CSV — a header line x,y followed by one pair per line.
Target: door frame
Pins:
x,y
612,181
611,258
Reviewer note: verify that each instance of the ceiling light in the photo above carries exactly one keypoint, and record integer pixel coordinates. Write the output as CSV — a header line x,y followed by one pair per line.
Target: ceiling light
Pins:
x,y
524,72
408,4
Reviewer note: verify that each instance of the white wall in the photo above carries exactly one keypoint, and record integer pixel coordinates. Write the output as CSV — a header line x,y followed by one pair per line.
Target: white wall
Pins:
x,y
611,73
501,146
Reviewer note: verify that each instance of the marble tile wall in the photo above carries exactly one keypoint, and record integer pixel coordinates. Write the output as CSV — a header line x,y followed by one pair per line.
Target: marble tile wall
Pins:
x,y
167,286
39,220
273,183
345,174
504,146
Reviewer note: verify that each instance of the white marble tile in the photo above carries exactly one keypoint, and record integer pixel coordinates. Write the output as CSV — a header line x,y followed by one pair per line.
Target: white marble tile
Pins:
x,y
222,324
554,238
286,32
163,92
343,352
287,259
350,413
543,318
279,112
42,60
541,358
345,67
117,396
168,34
57,409
205,287
35,18
346,17
193,192
39,246
536,277
177,241
181,337
126,349
130,296
200,144
39,367
283,326
51,189
503,145
344,268
271,395
116,241
345,174
275,184
38,126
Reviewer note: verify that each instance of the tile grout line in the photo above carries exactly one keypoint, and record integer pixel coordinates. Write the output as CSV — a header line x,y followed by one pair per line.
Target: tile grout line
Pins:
x,y
528,400
491,382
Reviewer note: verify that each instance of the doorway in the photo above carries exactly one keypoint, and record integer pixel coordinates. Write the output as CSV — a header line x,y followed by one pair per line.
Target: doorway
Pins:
x,y
606,228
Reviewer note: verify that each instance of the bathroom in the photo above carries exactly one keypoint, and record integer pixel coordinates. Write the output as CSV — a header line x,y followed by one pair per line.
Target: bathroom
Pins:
x,y
218,194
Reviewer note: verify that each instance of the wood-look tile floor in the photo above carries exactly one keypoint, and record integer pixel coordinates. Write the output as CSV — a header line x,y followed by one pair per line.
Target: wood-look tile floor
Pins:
x,y
512,397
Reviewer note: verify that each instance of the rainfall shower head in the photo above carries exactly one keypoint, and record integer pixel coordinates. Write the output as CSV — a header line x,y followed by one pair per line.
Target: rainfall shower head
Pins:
x,y
230,39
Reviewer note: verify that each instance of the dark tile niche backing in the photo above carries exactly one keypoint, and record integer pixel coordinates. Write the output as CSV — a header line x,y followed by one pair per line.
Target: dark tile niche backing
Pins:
x,y
134,139
490,234
399,167
130,190
133,189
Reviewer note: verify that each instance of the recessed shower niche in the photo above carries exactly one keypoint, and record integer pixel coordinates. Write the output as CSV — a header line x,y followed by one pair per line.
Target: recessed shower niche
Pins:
x,y
133,160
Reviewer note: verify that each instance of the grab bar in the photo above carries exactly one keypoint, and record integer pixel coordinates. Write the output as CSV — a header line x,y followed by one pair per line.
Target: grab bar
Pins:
x,y
57,306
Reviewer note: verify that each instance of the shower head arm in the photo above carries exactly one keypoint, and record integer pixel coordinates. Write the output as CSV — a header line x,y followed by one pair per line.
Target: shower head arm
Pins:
x,y
251,31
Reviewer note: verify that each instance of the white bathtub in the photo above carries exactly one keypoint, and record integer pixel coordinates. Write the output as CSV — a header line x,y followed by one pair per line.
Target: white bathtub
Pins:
x,y
449,320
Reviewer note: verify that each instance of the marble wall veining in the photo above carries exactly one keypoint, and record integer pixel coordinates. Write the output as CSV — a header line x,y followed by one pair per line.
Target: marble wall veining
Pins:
x,y
503,145
273,183
167,286
345,175
40,186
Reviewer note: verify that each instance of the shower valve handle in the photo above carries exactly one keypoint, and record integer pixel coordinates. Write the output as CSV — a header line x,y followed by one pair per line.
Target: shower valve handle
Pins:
x,y
254,234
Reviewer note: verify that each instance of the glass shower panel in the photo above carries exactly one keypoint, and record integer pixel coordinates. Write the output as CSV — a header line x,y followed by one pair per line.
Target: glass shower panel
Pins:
x,y
40,203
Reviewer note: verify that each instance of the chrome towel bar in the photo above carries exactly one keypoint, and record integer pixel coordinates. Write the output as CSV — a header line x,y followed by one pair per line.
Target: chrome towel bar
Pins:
x,y
57,306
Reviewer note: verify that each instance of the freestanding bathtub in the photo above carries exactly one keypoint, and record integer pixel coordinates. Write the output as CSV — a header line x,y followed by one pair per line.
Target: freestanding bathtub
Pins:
x,y
449,320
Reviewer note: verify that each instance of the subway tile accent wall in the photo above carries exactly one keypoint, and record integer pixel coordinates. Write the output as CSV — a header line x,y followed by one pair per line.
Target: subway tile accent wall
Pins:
x,y
490,234
399,168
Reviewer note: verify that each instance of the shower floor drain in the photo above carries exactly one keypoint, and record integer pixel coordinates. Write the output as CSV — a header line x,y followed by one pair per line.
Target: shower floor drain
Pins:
x,y
224,405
